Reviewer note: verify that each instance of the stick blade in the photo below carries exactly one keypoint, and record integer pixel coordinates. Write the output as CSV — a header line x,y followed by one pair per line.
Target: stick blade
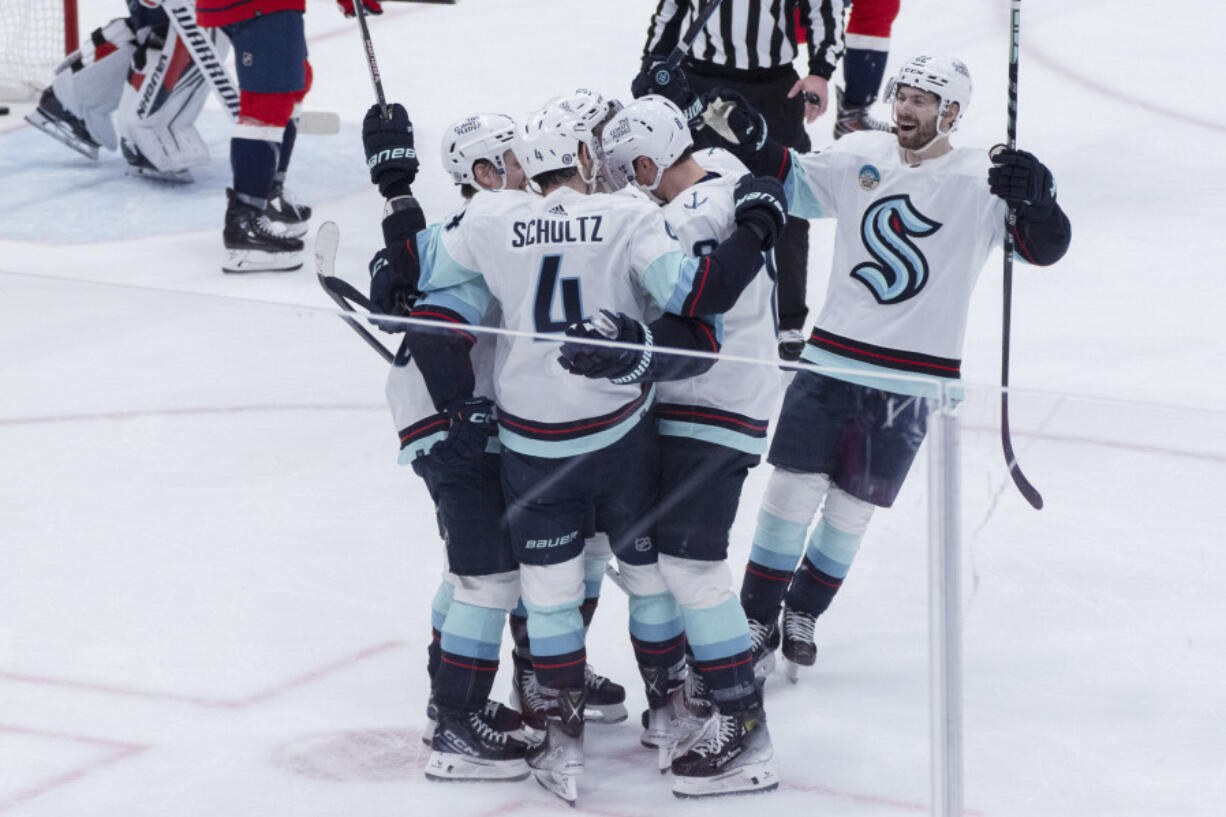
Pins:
x,y
327,241
1028,491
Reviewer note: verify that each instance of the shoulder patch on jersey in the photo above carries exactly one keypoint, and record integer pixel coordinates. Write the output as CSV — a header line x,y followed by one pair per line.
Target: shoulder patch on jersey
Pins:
x,y
870,177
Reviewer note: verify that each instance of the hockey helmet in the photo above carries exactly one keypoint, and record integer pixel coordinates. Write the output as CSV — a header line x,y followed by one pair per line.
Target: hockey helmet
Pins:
x,y
946,77
485,136
650,126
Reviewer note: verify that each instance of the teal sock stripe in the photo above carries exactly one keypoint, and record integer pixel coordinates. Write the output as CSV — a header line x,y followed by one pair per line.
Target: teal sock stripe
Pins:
x,y
777,542
556,630
473,631
717,632
831,550
440,604
655,618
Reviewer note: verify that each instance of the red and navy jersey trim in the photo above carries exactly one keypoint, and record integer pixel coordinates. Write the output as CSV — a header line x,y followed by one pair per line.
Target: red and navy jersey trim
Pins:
x,y
706,415
423,428
885,357
554,432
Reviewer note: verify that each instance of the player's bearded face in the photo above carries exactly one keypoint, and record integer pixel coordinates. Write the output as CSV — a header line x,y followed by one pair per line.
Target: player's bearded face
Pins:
x,y
915,113
516,180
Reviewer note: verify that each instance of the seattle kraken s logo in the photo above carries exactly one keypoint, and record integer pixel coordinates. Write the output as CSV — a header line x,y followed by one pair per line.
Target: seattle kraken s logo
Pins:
x,y
901,270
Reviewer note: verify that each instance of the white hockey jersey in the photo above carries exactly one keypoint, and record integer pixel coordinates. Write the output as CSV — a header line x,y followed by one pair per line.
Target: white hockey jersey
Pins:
x,y
418,423
552,261
731,403
909,246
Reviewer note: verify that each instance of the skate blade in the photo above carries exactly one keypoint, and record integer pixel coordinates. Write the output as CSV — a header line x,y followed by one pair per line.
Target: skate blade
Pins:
x,y
605,714
752,778
61,134
239,261
170,176
792,670
452,768
565,786
765,666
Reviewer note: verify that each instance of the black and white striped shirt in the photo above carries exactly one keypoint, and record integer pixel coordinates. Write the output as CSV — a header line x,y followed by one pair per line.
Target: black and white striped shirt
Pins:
x,y
751,35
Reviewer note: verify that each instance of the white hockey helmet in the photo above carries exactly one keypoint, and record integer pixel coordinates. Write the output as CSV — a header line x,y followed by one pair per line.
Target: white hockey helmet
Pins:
x,y
466,141
946,77
549,139
650,126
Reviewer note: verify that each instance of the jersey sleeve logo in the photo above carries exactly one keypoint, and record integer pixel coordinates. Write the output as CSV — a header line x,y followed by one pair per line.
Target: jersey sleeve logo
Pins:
x,y
901,270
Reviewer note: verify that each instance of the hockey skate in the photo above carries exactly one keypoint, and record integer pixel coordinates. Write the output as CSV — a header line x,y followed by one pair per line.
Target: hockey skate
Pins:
x,y
763,641
675,721
527,696
799,648
252,245
500,717
286,216
140,166
734,757
855,117
467,747
558,761
606,700
53,119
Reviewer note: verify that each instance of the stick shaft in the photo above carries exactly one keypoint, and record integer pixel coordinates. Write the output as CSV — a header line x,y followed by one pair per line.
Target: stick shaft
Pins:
x,y
691,34
373,64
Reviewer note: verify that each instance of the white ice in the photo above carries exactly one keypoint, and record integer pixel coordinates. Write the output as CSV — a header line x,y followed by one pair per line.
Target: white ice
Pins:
x,y
215,584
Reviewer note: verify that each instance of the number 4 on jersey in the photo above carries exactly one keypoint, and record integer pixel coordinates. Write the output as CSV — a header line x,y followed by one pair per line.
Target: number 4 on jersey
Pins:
x,y
547,284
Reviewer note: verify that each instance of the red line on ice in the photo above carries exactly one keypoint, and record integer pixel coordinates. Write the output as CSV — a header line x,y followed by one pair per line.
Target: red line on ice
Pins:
x,y
118,751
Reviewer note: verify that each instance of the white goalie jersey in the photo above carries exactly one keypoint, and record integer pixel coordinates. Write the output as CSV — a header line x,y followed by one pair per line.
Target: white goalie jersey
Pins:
x,y
909,246
552,261
731,404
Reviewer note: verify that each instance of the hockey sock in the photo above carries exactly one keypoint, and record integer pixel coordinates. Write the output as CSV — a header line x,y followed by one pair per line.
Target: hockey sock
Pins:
x,y
438,614
254,163
777,545
863,70
593,578
821,573
472,638
719,639
519,630
558,653
657,631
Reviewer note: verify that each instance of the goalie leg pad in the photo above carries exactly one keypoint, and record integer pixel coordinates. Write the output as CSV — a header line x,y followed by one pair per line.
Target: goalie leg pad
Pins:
x,y
90,82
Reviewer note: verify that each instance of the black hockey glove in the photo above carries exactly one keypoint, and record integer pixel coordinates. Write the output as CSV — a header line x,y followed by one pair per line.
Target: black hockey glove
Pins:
x,y
671,84
472,425
735,120
1022,180
618,365
392,290
762,205
390,156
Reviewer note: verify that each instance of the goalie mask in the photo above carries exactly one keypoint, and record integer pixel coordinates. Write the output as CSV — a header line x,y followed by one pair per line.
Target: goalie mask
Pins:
x,y
946,77
651,126
483,136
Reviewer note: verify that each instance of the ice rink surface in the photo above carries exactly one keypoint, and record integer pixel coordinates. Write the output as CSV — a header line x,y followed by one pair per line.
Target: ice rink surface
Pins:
x,y
214,595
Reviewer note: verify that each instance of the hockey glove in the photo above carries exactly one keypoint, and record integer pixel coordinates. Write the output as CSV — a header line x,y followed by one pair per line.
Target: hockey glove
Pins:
x,y
762,205
390,156
671,84
737,122
472,425
618,365
392,290
347,9
1023,181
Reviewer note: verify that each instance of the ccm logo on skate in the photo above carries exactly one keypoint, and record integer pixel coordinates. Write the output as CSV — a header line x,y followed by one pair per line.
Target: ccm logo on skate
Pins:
x,y
536,544
391,153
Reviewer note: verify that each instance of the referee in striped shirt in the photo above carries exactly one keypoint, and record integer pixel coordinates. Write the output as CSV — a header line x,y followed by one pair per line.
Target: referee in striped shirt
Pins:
x,y
748,46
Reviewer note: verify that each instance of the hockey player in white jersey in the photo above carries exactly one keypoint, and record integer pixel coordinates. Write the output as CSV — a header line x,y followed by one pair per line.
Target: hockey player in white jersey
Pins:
x,y
713,429
917,218
569,443
453,451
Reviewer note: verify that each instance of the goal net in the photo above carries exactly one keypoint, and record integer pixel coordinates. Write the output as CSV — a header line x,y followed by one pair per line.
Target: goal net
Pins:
x,y
34,37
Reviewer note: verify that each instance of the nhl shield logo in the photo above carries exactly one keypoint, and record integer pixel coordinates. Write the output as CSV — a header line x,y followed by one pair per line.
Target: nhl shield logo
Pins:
x,y
870,177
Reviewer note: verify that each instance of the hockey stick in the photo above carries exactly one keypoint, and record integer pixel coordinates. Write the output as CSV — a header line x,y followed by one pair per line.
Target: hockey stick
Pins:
x,y
371,63
327,240
1006,440
687,40
182,15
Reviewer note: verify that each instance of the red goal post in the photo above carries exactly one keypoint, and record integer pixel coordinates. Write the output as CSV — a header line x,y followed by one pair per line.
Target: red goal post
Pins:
x,y
35,35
